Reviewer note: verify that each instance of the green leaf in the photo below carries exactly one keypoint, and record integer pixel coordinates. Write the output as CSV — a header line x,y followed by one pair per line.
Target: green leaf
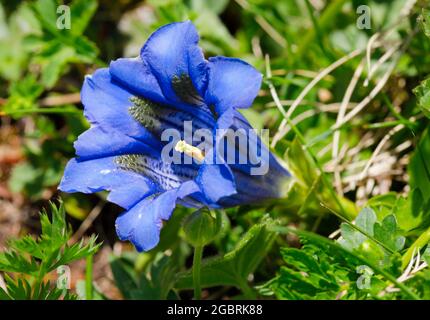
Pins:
x,y
81,292
23,95
86,50
349,39
366,220
14,51
216,37
59,47
21,289
46,11
347,254
54,231
215,6
234,267
77,251
11,261
376,241
124,275
316,271
155,283
411,212
423,97
35,258
158,284
419,167
351,237
56,66
388,233
81,12
425,21
426,255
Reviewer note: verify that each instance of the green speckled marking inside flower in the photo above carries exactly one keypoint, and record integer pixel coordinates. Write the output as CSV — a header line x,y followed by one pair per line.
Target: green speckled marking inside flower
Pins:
x,y
166,175
142,111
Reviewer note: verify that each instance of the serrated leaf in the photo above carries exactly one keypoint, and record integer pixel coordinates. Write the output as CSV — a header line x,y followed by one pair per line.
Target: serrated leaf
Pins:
x,y
13,262
31,258
21,289
331,249
77,251
315,271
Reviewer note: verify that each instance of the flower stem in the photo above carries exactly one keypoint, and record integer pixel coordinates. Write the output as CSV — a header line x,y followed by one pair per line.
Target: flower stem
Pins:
x,y
247,291
197,259
218,217
89,279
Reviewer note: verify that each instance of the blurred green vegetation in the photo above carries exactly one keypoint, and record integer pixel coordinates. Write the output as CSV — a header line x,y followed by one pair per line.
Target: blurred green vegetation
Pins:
x,y
351,124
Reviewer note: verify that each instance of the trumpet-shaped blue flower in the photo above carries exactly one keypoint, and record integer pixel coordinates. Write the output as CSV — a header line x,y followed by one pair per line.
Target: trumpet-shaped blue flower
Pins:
x,y
130,105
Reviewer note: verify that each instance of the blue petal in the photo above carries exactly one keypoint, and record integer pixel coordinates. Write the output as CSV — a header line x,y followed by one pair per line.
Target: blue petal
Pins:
x,y
142,224
251,188
100,143
215,181
107,105
172,51
91,176
232,83
226,120
135,75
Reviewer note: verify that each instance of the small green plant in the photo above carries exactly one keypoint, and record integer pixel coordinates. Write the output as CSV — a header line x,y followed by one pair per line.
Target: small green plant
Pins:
x,y
28,261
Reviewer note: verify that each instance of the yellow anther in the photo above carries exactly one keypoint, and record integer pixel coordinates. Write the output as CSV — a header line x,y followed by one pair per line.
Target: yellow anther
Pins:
x,y
190,150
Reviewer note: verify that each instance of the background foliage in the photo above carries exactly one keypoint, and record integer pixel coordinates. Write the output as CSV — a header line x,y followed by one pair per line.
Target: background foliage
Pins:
x,y
348,111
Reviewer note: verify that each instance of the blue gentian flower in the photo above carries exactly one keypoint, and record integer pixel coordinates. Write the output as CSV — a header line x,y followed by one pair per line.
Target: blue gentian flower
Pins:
x,y
130,105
